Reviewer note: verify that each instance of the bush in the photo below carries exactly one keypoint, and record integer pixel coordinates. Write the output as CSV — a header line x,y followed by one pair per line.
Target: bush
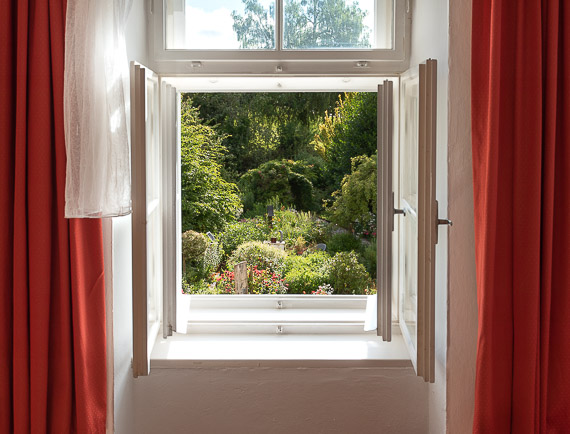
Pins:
x,y
265,282
347,275
343,242
355,202
276,181
297,224
304,274
259,282
194,244
200,256
258,254
369,258
200,286
245,230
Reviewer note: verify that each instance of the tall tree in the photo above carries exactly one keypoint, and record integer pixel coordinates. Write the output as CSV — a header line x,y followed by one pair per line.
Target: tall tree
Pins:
x,y
307,24
208,201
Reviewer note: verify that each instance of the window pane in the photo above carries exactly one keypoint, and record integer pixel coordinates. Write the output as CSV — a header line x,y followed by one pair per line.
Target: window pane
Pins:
x,y
338,24
220,24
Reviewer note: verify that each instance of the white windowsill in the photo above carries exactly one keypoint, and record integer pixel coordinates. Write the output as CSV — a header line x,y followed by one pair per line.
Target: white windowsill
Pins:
x,y
266,350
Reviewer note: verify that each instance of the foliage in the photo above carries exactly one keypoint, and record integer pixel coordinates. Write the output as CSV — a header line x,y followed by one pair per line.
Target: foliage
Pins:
x,y
368,255
308,24
194,244
258,127
347,132
325,289
259,282
208,201
295,224
258,254
245,230
343,242
200,256
265,281
307,272
356,201
347,275
199,286
274,181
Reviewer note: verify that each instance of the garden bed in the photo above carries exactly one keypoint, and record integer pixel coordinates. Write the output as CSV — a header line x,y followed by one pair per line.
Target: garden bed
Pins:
x,y
318,258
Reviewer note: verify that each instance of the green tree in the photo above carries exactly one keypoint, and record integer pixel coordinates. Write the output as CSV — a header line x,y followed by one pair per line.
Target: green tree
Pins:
x,y
208,201
307,24
347,132
356,200
259,127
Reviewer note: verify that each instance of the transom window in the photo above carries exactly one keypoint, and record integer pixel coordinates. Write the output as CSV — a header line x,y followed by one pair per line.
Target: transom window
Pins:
x,y
279,24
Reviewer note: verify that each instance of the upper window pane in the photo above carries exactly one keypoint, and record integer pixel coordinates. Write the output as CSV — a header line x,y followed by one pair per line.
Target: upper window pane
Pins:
x,y
220,24
306,24
337,24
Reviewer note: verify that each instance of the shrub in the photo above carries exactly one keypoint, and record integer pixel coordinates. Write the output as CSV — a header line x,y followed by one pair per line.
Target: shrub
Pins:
x,y
265,282
304,274
259,282
369,258
200,286
194,244
343,242
356,200
297,224
258,254
276,181
245,230
200,256
347,275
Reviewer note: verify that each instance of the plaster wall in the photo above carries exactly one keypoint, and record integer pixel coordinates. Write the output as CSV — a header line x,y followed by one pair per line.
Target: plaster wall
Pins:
x,y
430,39
281,400
117,241
462,318
327,400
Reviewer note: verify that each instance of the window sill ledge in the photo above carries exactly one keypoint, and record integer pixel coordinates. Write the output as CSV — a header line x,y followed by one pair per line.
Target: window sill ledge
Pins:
x,y
289,351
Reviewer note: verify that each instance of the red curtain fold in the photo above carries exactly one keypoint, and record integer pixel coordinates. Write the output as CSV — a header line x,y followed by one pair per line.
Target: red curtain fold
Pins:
x,y
521,170
52,306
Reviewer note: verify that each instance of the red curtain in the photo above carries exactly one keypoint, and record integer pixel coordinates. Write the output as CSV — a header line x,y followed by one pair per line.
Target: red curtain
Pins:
x,y
521,169
52,307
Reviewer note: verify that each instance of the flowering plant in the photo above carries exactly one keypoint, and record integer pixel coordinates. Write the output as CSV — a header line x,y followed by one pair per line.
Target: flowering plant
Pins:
x,y
266,281
325,289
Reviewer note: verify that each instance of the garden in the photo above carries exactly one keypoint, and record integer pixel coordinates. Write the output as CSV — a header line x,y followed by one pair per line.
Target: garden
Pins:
x,y
283,184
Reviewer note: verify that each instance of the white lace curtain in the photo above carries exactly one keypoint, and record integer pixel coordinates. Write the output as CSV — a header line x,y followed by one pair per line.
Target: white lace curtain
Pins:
x,y
96,109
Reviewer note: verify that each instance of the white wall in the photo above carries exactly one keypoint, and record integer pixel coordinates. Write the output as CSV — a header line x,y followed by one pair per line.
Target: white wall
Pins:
x,y
430,39
330,400
119,268
462,326
281,401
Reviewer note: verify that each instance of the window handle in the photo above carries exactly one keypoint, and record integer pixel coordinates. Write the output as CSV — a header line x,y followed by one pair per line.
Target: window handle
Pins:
x,y
400,211
444,222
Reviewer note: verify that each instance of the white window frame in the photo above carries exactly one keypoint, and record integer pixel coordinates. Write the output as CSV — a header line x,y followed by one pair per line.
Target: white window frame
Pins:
x,y
422,354
278,61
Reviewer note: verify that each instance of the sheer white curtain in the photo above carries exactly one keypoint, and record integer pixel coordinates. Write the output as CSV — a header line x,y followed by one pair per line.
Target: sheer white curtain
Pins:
x,y
96,109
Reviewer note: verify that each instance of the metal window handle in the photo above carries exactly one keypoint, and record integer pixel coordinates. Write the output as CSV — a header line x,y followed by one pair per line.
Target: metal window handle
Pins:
x,y
444,222
400,211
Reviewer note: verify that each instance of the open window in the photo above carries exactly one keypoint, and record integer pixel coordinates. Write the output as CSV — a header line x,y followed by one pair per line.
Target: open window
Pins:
x,y
407,213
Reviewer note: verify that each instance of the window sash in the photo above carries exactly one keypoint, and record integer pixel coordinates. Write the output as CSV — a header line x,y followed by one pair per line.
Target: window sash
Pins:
x,y
418,233
333,61
146,216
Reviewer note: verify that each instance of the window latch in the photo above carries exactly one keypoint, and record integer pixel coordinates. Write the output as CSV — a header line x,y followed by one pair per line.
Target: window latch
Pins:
x,y
439,221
